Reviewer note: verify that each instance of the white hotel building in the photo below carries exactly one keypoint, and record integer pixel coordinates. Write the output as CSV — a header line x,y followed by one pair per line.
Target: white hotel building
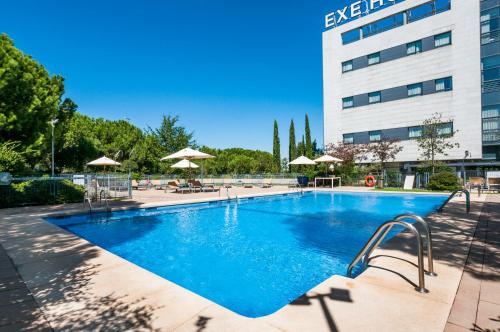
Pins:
x,y
386,72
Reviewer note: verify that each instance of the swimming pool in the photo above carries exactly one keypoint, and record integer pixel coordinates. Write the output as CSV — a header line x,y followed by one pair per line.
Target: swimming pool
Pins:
x,y
252,256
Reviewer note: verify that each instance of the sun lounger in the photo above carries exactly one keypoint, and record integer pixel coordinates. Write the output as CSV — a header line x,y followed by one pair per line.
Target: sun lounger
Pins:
x,y
266,183
143,185
494,183
203,187
178,187
247,183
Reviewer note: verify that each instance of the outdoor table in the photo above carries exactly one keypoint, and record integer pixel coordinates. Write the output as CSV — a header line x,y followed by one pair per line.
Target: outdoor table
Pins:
x,y
331,178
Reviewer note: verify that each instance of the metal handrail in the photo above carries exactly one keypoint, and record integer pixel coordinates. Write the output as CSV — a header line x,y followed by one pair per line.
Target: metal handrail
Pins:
x,y
88,200
430,257
467,199
384,230
428,235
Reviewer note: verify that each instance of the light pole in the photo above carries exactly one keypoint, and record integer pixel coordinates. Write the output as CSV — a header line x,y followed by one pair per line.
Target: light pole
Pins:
x,y
53,123
466,155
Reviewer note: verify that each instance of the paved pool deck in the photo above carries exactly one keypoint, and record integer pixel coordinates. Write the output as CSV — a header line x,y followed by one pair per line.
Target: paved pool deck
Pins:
x,y
52,280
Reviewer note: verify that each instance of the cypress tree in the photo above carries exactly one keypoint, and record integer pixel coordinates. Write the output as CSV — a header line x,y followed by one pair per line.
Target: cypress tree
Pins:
x,y
276,148
301,147
308,144
292,148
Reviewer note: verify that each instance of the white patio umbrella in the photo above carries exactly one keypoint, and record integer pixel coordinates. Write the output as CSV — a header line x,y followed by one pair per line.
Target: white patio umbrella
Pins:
x,y
184,163
188,154
302,160
103,161
327,159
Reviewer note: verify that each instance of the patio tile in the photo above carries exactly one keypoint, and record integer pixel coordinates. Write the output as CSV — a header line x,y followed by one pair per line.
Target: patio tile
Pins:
x,y
218,319
464,311
490,291
19,312
488,316
38,325
7,271
10,283
14,296
455,328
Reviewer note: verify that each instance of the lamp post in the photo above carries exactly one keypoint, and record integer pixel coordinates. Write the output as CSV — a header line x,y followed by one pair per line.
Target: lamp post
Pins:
x,y
466,155
53,123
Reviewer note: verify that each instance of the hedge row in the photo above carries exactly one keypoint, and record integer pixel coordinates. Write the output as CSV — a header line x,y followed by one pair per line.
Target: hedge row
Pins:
x,y
40,192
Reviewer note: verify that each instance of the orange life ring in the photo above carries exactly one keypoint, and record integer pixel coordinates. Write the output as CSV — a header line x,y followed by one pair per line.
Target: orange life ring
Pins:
x,y
370,181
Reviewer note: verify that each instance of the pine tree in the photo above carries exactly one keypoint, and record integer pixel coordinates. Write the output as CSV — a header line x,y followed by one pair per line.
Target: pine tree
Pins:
x,y
292,148
276,148
308,144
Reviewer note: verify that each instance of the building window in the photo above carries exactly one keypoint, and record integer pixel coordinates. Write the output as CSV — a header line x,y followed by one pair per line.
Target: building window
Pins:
x,y
491,111
346,66
489,14
348,138
444,84
375,136
415,132
490,62
442,39
374,58
491,124
374,97
445,129
491,74
414,47
351,36
348,102
414,89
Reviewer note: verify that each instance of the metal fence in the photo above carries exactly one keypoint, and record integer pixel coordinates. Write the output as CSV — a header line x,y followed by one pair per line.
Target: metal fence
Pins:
x,y
67,188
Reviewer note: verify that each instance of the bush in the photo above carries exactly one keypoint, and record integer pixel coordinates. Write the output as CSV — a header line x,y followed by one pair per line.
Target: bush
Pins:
x,y
444,181
40,192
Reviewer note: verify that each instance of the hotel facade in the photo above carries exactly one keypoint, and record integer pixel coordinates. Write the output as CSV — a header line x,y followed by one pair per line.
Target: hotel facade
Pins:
x,y
387,72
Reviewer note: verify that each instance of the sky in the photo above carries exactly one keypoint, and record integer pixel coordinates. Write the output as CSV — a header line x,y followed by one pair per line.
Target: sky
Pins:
x,y
226,68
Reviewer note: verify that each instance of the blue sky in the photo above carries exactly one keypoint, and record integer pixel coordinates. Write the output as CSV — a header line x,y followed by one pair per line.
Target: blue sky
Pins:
x,y
227,68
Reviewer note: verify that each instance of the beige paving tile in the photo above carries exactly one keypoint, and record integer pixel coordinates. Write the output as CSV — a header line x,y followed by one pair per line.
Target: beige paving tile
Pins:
x,y
490,290
360,307
218,319
455,328
463,312
488,316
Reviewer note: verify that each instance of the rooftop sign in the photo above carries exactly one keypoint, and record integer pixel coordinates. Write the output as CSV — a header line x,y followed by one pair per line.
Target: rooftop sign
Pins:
x,y
356,10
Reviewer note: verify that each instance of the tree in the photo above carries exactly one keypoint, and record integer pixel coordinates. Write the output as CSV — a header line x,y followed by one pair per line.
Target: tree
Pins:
x,y
292,147
385,150
301,148
29,99
171,136
434,140
11,160
276,149
349,153
308,144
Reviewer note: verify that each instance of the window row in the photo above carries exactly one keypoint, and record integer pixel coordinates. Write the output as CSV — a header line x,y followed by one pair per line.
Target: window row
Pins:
x,y
411,15
414,47
412,90
443,129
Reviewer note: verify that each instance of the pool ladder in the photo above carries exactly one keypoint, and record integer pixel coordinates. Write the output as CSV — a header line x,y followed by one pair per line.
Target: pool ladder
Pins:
x,y
467,199
381,233
87,199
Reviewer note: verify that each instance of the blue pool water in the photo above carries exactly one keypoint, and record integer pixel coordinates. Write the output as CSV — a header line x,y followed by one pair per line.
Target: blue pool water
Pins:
x,y
254,256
